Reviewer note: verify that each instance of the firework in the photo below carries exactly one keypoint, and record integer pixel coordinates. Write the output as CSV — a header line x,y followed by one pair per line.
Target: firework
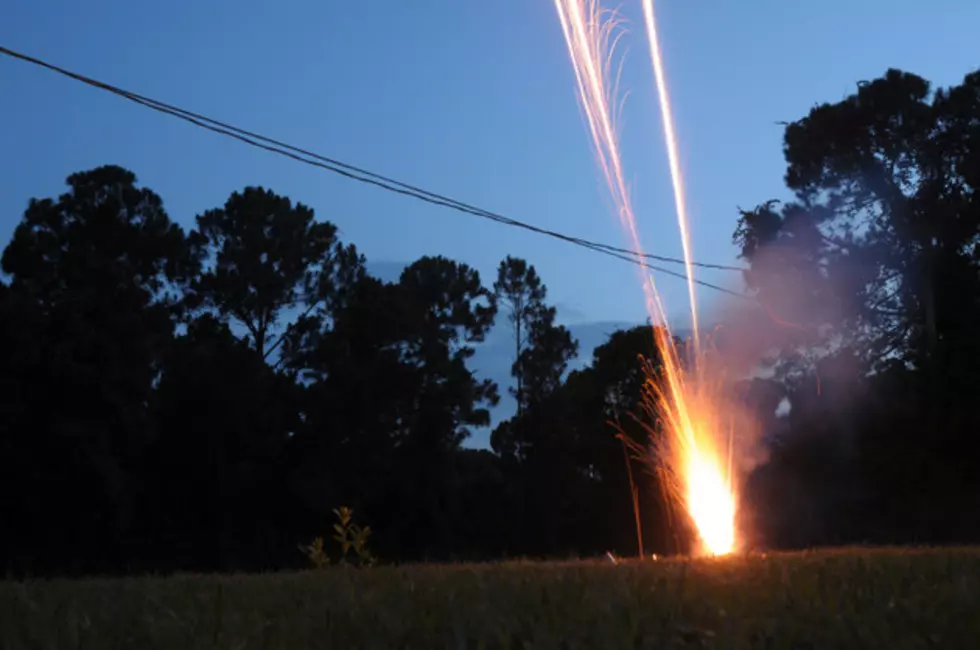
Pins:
x,y
684,395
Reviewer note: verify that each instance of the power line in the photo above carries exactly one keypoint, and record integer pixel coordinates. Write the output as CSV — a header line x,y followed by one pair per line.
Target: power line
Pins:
x,y
365,176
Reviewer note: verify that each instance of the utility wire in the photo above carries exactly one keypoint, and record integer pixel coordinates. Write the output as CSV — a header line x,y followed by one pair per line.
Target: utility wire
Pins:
x,y
371,178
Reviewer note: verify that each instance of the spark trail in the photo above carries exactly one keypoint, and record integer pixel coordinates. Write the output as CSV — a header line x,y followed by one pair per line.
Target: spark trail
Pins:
x,y
688,401
670,139
592,35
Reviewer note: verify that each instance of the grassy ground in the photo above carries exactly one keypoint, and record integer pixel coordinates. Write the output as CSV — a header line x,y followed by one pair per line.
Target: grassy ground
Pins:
x,y
826,599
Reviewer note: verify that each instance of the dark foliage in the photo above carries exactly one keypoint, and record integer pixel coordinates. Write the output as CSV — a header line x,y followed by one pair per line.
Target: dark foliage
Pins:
x,y
204,400
878,258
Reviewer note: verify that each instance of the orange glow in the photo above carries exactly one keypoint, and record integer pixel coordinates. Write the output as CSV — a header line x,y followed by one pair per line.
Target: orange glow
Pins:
x,y
687,398
695,442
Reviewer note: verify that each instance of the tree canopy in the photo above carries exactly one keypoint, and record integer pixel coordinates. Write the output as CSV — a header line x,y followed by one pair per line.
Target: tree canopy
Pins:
x,y
204,398
877,258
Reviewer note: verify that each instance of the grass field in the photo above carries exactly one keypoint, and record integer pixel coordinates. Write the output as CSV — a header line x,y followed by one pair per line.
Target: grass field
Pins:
x,y
850,598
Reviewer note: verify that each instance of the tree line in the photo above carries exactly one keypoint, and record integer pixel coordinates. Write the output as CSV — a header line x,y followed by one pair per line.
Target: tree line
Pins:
x,y
204,398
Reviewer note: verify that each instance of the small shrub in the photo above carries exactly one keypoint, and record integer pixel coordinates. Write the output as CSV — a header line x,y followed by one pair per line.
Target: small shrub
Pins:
x,y
349,536
352,537
315,552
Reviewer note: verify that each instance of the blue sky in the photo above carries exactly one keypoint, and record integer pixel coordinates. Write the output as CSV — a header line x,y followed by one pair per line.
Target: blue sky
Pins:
x,y
472,99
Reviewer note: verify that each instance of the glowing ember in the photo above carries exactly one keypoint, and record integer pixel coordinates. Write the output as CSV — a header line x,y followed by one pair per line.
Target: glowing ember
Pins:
x,y
688,399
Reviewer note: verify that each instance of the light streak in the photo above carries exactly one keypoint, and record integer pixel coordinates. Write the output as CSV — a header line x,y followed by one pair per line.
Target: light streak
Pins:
x,y
688,401
670,139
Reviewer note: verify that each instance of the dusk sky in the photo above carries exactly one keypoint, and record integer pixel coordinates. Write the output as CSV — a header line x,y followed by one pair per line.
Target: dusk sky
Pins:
x,y
471,99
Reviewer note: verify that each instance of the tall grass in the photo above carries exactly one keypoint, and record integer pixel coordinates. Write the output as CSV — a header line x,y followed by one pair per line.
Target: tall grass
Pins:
x,y
851,598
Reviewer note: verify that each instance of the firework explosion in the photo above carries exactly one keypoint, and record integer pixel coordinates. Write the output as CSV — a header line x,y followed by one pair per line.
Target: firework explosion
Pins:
x,y
685,395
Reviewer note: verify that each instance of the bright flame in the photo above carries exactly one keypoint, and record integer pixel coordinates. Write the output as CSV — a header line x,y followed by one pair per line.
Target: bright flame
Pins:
x,y
690,403
687,400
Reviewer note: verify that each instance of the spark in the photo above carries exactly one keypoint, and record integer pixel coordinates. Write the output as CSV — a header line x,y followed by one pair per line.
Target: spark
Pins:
x,y
591,35
708,487
670,138
687,400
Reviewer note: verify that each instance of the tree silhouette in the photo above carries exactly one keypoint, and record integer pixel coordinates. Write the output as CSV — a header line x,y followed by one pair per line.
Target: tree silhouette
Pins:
x,y
444,310
358,397
882,233
214,476
93,291
881,244
266,256
542,351
520,291
203,401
